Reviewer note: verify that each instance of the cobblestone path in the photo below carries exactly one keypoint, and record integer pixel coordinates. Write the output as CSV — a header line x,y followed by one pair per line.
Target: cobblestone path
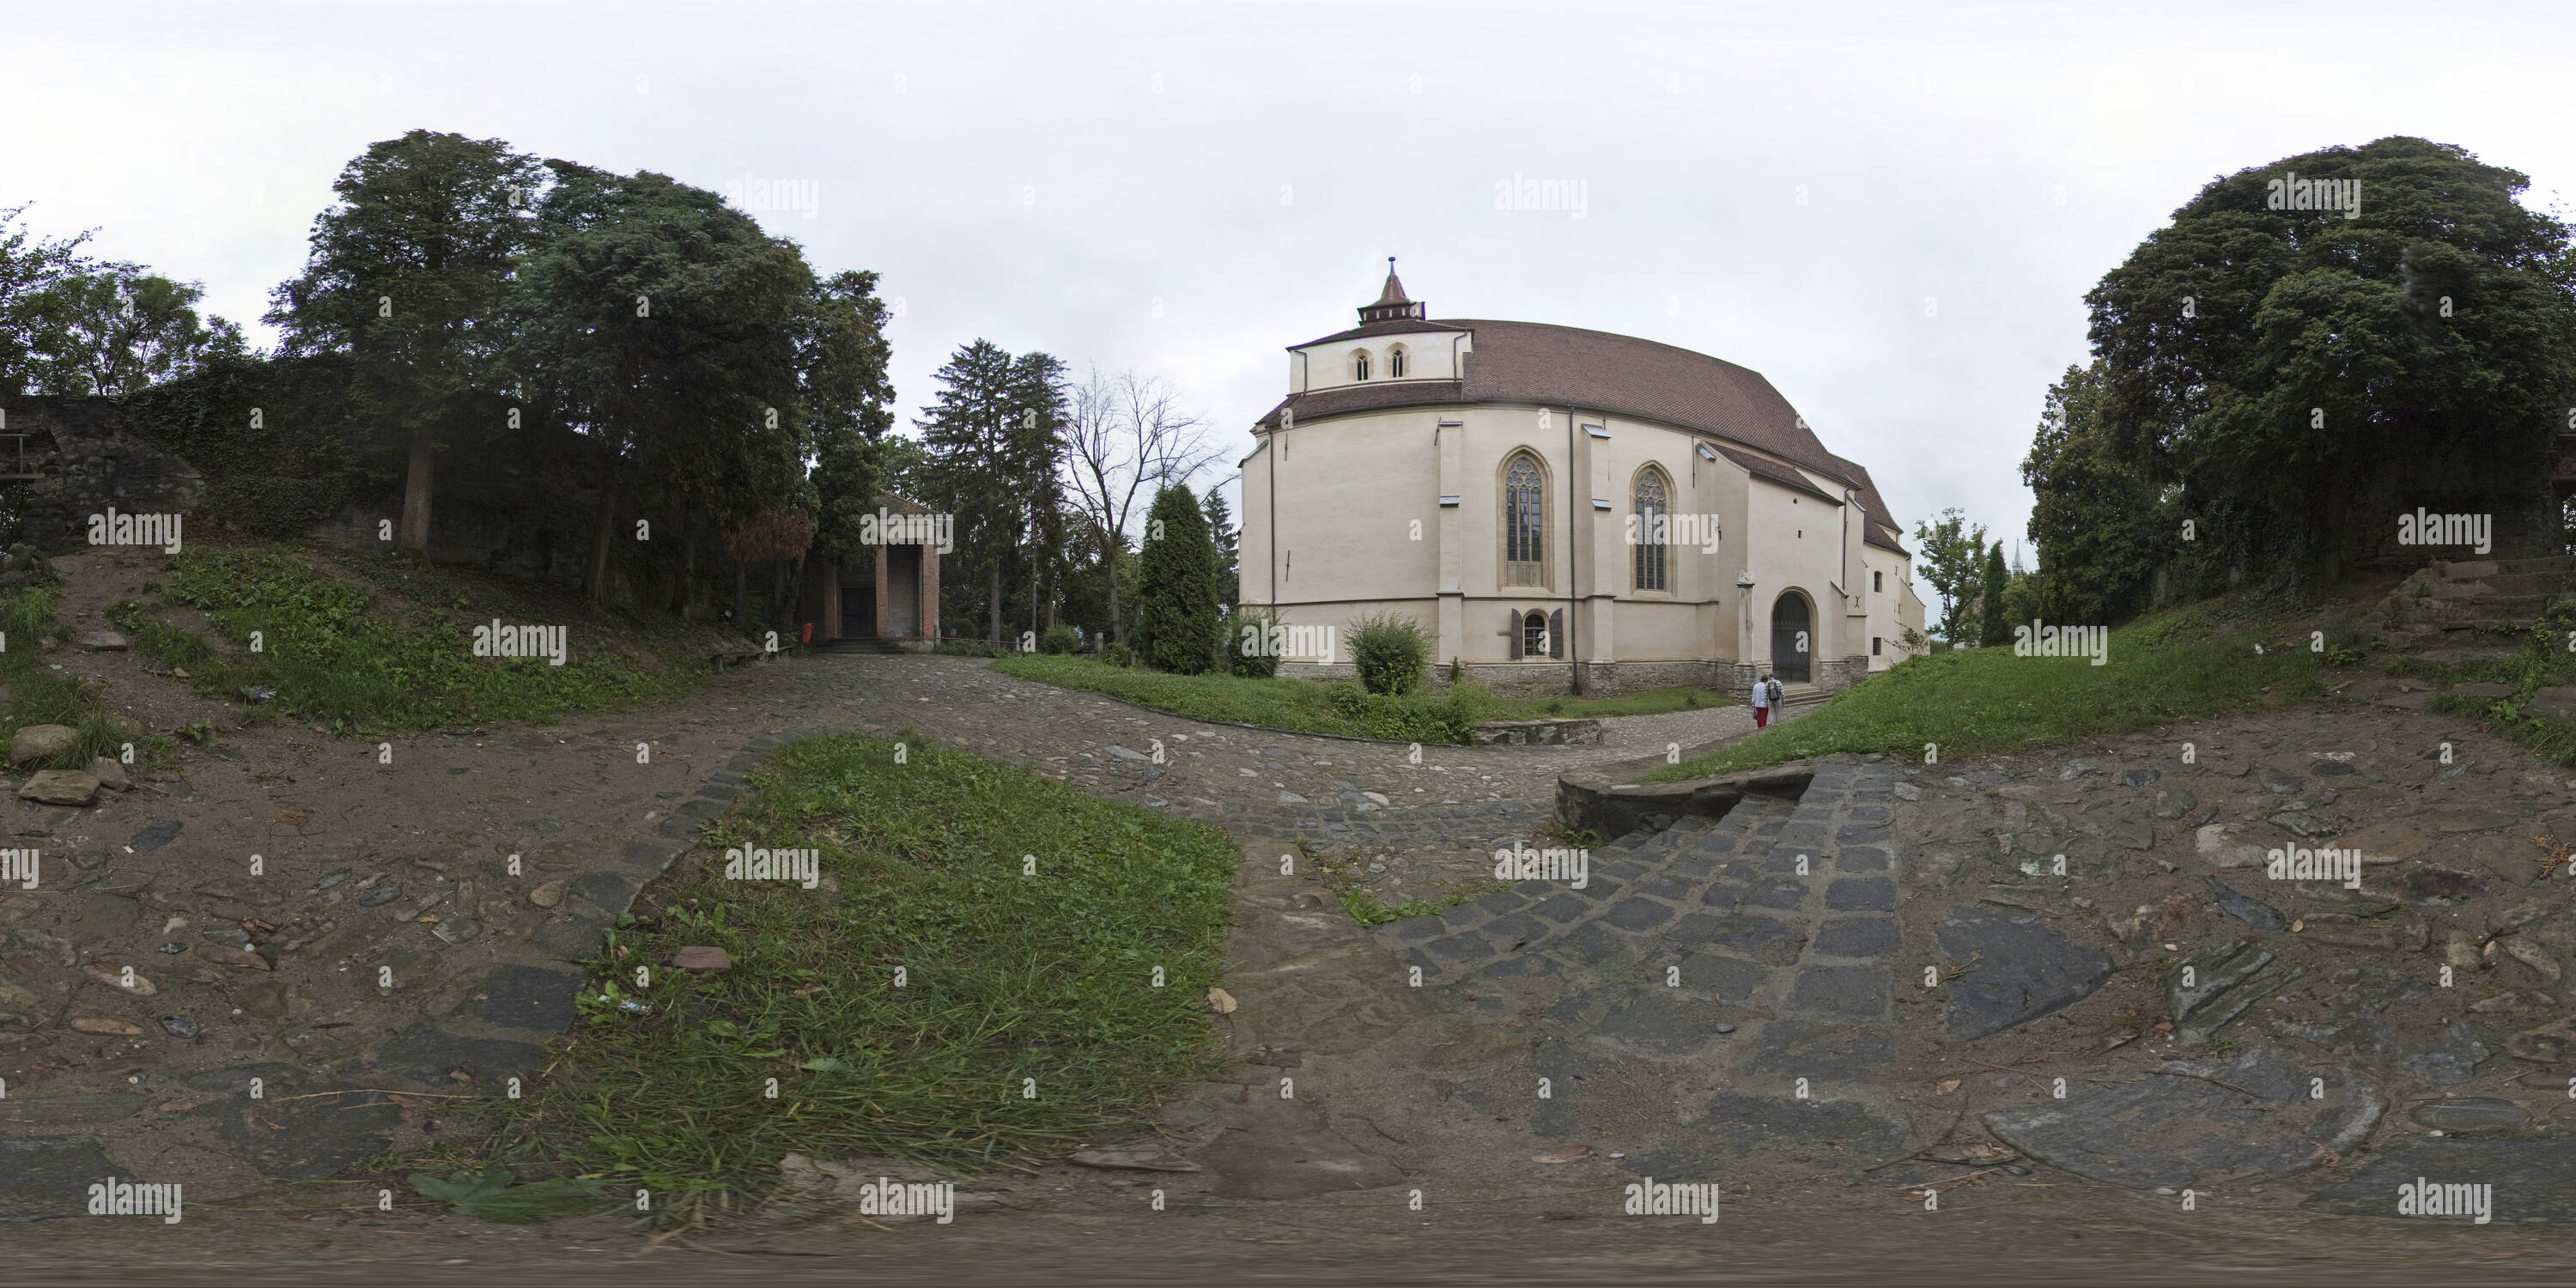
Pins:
x,y
1725,970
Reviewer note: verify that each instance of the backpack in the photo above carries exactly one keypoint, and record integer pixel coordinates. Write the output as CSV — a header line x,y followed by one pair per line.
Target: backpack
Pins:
x,y
1774,695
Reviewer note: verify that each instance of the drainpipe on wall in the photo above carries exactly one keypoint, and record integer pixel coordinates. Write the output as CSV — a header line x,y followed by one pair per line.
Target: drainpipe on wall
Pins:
x,y
1274,520
1573,604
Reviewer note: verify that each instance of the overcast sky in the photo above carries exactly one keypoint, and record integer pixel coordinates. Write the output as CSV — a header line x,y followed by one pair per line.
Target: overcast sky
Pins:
x,y
1042,175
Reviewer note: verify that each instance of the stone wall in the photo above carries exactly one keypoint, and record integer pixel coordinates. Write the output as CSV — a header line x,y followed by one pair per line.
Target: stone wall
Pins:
x,y
1556,679
89,465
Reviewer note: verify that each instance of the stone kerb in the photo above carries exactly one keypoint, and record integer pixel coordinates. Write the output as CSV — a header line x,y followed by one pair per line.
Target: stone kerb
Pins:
x,y
1608,800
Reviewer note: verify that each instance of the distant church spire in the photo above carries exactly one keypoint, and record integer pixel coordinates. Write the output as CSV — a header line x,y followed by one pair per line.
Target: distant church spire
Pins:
x,y
1391,304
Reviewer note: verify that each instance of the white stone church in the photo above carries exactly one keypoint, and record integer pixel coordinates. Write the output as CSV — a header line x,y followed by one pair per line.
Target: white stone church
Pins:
x,y
1565,511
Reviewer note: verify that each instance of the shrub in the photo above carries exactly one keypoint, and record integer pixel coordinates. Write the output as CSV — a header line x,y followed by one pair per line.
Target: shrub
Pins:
x,y
1389,650
1176,587
1347,699
1117,654
1059,639
1250,657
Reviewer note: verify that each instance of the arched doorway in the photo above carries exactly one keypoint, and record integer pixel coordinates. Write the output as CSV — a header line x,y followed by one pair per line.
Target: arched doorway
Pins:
x,y
1792,638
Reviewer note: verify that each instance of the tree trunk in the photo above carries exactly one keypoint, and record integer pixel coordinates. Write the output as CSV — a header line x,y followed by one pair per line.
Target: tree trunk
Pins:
x,y
688,570
607,533
416,487
1109,557
996,618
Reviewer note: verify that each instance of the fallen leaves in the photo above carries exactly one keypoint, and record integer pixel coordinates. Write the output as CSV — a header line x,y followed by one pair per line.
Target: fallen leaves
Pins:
x,y
1220,1001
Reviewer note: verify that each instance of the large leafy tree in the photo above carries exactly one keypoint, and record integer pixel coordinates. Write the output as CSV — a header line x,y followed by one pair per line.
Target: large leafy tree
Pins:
x,y
2303,374
407,275
664,325
1950,554
30,268
115,329
1176,586
2099,526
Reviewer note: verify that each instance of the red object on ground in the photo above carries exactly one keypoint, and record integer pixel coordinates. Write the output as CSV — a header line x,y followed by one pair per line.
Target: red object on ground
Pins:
x,y
808,637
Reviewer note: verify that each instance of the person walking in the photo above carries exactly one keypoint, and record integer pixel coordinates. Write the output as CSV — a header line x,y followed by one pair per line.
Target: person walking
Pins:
x,y
1765,692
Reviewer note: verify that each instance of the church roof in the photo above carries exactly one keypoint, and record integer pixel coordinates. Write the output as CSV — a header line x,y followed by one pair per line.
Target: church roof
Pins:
x,y
1595,371
1777,473
1398,326
1879,527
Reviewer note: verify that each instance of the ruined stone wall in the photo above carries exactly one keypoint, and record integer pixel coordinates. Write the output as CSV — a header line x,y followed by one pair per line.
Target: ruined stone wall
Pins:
x,y
88,465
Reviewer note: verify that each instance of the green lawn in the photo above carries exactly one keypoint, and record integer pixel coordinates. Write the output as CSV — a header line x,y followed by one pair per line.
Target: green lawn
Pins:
x,y
1304,706
1009,977
1972,701
332,652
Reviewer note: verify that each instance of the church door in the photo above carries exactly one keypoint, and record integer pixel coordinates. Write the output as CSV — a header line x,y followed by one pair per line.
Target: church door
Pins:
x,y
859,612
1792,639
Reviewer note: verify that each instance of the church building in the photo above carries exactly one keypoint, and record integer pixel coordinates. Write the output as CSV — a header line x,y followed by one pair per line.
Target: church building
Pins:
x,y
1565,511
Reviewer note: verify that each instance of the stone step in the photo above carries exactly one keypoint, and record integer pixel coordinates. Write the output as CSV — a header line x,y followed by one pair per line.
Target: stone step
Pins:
x,y
2480,569
2524,583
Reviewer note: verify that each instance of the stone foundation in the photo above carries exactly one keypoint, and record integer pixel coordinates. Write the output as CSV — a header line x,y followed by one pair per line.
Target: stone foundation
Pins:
x,y
1601,679
1539,733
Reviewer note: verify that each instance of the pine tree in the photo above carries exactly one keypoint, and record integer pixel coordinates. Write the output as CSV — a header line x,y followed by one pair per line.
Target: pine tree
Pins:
x,y
993,442
1229,550
1176,586
1991,629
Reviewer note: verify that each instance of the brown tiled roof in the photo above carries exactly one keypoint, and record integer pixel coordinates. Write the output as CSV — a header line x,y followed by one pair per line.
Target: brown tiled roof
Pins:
x,y
1777,473
1881,528
1594,371
1367,329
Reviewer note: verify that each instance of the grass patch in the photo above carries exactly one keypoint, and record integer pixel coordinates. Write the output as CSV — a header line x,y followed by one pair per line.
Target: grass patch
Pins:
x,y
320,647
1304,706
1651,702
2189,662
1366,910
1296,706
41,692
1008,976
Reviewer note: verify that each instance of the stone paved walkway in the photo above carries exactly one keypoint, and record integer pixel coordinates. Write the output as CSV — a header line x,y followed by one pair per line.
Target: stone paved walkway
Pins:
x,y
1744,961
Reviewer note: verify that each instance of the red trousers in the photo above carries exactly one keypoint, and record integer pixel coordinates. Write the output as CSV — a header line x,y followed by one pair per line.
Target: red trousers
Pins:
x,y
1761,717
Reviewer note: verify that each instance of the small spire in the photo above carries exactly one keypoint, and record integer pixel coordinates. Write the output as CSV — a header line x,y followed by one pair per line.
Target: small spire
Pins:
x,y
1391,302
1394,292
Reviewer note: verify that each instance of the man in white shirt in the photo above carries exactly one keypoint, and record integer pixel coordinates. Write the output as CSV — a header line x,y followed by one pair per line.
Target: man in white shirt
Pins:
x,y
1762,697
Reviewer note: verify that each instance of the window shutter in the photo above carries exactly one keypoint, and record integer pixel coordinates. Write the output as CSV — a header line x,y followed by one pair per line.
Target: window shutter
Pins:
x,y
1513,633
1556,633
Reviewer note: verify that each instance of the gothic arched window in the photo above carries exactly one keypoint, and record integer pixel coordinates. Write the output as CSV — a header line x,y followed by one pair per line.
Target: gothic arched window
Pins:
x,y
1359,365
1524,522
1651,535
1395,363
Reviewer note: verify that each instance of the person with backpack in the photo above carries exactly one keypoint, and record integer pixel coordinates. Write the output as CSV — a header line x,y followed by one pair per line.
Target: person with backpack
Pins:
x,y
1766,696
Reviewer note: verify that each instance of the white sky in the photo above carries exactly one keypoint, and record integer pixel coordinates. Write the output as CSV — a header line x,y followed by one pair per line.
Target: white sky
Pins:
x,y
1933,141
